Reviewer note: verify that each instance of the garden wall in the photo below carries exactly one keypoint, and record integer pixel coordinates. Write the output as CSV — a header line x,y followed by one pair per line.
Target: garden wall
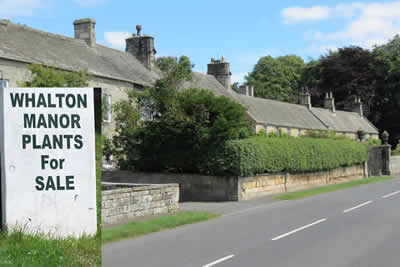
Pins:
x,y
395,164
267,184
194,187
124,202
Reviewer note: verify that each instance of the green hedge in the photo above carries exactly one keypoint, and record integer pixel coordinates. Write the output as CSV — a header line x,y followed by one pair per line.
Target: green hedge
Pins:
x,y
259,154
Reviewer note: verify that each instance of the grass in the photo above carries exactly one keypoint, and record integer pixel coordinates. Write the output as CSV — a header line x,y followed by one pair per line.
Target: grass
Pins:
x,y
20,249
154,225
331,188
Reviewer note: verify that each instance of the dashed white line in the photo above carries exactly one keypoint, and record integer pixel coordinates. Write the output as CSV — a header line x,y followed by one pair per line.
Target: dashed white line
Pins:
x,y
219,261
298,229
358,206
391,194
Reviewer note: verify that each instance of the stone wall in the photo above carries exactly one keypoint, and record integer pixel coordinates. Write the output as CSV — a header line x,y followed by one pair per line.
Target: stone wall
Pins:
x,y
124,202
213,188
191,186
267,184
395,165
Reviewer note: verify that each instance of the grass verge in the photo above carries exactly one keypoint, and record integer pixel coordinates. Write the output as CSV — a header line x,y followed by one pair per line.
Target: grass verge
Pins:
x,y
154,225
20,249
331,188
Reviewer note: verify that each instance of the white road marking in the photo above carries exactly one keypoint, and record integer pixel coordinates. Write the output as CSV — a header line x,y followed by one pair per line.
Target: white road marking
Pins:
x,y
358,206
298,229
389,195
219,261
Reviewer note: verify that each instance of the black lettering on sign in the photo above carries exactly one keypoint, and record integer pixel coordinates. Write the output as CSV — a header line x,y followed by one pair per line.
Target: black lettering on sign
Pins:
x,y
17,99
56,183
39,183
41,100
52,121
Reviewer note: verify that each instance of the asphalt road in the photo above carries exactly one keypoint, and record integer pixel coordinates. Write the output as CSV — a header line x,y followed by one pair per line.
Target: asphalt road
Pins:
x,y
353,227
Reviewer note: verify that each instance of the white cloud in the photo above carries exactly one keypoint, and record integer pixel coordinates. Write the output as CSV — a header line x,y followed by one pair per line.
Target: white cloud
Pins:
x,y
86,3
367,24
117,39
238,77
15,8
296,14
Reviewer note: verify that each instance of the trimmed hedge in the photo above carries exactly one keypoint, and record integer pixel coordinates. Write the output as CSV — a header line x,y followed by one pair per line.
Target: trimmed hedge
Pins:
x,y
259,154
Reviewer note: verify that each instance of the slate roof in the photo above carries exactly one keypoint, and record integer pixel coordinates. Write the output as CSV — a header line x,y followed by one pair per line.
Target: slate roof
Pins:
x,y
29,45
293,115
280,113
344,121
205,81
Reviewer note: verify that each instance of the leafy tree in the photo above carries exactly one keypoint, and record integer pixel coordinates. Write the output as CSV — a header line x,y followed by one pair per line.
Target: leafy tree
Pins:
x,y
175,70
310,79
235,87
123,143
191,131
387,105
348,73
277,78
181,129
43,76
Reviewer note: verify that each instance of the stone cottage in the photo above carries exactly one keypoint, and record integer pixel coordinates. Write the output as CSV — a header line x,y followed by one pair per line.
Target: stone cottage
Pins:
x,y
116,72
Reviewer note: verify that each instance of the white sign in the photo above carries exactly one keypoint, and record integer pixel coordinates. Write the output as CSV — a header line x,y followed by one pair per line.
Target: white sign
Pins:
x,y
48,159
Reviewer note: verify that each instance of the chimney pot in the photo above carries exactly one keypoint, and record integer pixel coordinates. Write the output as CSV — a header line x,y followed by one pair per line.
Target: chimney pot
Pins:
x,y
138,29
329,102
305,99
358,107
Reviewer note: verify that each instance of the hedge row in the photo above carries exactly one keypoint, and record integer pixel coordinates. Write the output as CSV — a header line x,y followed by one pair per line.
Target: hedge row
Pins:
x,y
258,155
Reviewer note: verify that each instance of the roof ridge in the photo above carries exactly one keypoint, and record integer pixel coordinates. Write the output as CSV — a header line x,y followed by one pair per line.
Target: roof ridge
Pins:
x,y
25,27
114,49
267,99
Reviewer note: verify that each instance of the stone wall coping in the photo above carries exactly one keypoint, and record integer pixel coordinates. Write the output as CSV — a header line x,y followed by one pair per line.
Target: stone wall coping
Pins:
x,y
124,185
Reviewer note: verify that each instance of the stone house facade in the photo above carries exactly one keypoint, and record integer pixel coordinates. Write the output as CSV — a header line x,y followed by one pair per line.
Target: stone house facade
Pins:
x,y
117,71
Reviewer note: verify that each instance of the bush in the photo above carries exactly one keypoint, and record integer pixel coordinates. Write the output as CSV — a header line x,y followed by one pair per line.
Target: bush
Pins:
x,y
373,142
182,138
396,152
258,155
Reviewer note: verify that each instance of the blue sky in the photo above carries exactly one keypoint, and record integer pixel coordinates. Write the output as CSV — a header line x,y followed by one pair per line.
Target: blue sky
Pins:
x,y
241,31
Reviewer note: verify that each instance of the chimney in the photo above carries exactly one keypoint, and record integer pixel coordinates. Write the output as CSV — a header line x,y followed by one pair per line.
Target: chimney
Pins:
x,y
246,90
142,47
84,30
329,102
305,99
357,107
220,70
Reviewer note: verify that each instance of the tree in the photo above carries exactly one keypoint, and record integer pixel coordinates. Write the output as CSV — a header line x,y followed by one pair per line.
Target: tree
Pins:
x,y
191,131
235,87
50,77
277,78
387,106
182,128
310,79
348,73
